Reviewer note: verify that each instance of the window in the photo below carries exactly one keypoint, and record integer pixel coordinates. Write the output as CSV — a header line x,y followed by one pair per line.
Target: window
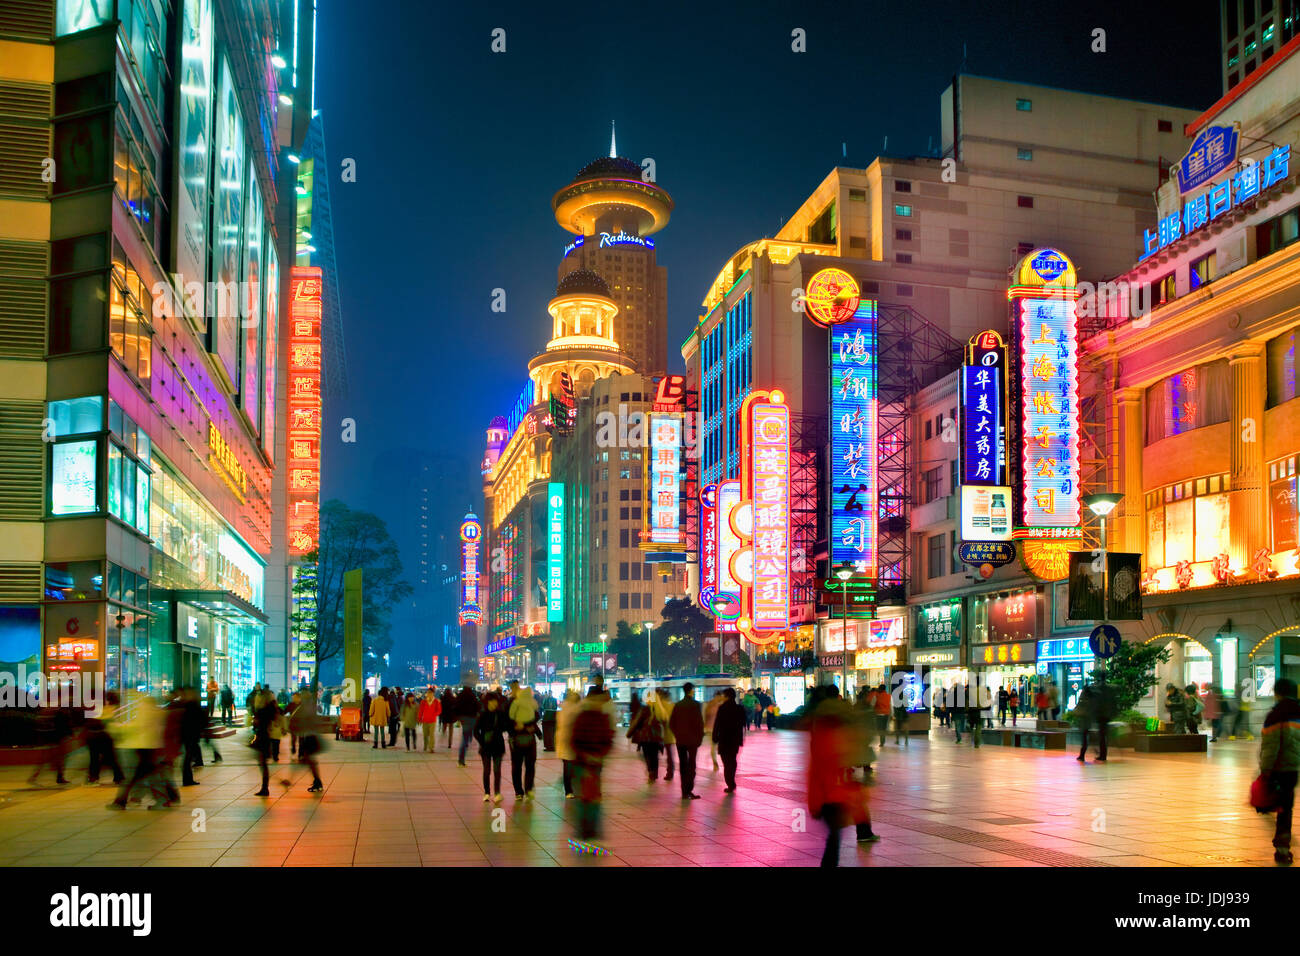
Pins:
x,y
645,600
1280,359
901,210
1201,272
905,258
636,601
902,186
622,494
622,514
1164,126
622,570
622,601
953,480
1187,522
74,477
928,433
931,484
1025,154
823,227
1164,290
857,242
857,195
1282,504
871,288
905,290
956,566
903,235
934,547
636,513
604,602
1024,248
1277,232
1191,399
1024,106
622,538
1025,202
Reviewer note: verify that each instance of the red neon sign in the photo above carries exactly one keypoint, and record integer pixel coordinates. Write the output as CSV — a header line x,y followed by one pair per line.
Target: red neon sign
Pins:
x,y
304,401
765,484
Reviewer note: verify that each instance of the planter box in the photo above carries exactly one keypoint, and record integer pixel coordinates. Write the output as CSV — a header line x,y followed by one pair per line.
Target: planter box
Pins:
x,y
1029,739
1171,743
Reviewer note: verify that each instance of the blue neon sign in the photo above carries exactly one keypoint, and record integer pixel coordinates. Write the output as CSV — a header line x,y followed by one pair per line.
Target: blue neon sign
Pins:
x,y
520,408
555,551
1201,210
1071,649
1213,151
502,645
854,434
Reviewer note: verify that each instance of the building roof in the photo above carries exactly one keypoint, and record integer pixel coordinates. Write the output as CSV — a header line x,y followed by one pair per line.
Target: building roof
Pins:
x,y
617,167
582,280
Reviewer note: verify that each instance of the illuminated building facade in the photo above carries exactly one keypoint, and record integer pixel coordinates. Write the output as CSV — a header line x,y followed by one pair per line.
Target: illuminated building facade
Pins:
x,y
144,270
611,210
1199,401
930,241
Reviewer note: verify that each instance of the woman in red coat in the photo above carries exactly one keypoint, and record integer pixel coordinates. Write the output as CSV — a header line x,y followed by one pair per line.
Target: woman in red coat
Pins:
x,y
833,795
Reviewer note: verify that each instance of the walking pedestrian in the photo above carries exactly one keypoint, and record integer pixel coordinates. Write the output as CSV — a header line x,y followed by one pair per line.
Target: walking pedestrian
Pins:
x,y
410,720
957,698
1054,699
900,722
1042,703
592,737
1279,759
227,705
710,714
729,732
1096,705
194,717
266,713
976,711
59,722
1176,705
523,742
1004,700
883,710
1213,701
140,731
646,731
447,712
366,701
429,713
1241,719
466,713
664,711
490,730
833,795
864,713
379,717
564,739
305,725
213,691
1195,708
99,740
394,714
686,724
1013,701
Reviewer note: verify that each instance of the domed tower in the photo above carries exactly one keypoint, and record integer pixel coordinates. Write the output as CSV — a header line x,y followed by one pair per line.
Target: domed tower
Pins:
x,y
612,211
583,341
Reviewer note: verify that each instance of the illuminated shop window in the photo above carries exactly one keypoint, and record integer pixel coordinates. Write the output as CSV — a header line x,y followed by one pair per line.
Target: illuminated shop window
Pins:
x,y
74,477
1193,398
1188,521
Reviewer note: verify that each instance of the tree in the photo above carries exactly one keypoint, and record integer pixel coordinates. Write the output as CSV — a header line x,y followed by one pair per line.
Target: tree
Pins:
x,y
1132,672
349,540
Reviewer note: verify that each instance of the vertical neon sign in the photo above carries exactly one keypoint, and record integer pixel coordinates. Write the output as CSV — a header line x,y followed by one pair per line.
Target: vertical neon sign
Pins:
x,y
555,551
728,545
665,460
708,545
765,486
1042,310
471,534
855,485
304,403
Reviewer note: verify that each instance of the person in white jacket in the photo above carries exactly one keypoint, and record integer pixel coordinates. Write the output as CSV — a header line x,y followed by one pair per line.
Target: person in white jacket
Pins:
x,y
564,738
141,730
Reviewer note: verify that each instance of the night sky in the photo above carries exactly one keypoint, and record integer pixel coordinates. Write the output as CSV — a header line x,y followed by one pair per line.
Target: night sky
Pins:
x,y
458,151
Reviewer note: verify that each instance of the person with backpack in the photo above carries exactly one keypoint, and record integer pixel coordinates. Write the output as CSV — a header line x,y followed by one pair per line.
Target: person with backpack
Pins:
x,y
523,716
646,731
1279,761
592,738
490,730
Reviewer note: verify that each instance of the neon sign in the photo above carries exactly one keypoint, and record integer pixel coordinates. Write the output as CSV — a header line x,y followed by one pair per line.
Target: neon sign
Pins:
x,y
520,408
708,544
983,428
1042,308
765,486
624,239
1213,151
504,644
728,545
1199,211
575,244
854,427
665,459
555,551
304,409
471,535
831,297
229,469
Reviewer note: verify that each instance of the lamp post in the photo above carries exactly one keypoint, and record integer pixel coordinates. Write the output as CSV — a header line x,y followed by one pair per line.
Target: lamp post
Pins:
x,y
570,655
844,571
649,660
603,638
1101,504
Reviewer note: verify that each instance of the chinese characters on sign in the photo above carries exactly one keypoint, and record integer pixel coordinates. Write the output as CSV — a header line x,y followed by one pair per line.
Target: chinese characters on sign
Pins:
x,y
1199,211
1213,151
708,544
728,545
765,481
304,403
555,551
854,429
471,533
983,430
1049,439
665,459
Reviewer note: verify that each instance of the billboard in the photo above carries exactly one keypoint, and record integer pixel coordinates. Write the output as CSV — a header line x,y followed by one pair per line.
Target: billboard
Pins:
x,y
194,134
250,328
854,478
1042,312
555,551
984,411
985,513
471,544
663,497
728,545
304,401
708,544
271,344
765,485
227,216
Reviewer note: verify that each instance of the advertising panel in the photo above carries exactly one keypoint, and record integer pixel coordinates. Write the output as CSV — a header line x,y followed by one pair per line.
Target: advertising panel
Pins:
x,y
194,132
271,344
227,212
304,401
663,508
1013,617
765,481
728,545
555,551
938,625
708,544
250,326
854,433
985,513
984,411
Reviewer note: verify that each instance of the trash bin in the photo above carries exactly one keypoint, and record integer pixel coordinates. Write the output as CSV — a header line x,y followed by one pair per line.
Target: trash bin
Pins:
x,y
548,730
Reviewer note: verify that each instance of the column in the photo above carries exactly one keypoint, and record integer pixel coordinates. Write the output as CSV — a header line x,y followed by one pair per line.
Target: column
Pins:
x,y
1126,466
1248,515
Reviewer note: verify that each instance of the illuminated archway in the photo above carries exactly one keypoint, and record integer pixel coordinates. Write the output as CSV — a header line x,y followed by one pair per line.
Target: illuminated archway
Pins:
x,y
1292,631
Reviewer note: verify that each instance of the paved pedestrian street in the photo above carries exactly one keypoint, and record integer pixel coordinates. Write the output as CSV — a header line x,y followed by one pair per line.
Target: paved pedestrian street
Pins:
x,y
934,804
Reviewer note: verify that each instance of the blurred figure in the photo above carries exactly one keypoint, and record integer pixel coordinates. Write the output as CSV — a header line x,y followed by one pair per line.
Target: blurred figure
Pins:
x,y
265,715
663,708
1176,706
410,720
729,734
1279,758
1096,706
173,717
305,726
1241,719
99,741
564,738
1042,703
59,722
864,712
379,717
900,722
882,712
227,705
466,714
710,713
686,724
430,710
294,701
1213,701
141,731
833,795
749,702
490,730
523,716
394,714
279,726
592,736
633,708
1054,699
975,713
213,690
646,731
1195,708
447,712
956,702
194,717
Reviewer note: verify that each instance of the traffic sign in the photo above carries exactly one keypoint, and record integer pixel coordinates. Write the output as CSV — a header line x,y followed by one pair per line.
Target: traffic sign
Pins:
x,y
1104,640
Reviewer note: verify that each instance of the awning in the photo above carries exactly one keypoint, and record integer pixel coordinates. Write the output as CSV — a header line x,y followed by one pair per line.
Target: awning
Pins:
x,y
223,604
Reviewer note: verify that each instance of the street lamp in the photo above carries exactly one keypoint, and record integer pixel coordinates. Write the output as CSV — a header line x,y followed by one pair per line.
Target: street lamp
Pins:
x,y
570,655
844,571
649,660
603,638
1101,504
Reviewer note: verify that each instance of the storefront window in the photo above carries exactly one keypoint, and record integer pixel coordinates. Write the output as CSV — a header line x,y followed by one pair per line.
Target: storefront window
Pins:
x,y
74,477
1188,522
20,636
1198,665
76,416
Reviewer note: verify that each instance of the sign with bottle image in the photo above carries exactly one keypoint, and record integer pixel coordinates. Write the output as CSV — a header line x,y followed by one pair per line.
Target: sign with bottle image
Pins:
x,y
986,512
